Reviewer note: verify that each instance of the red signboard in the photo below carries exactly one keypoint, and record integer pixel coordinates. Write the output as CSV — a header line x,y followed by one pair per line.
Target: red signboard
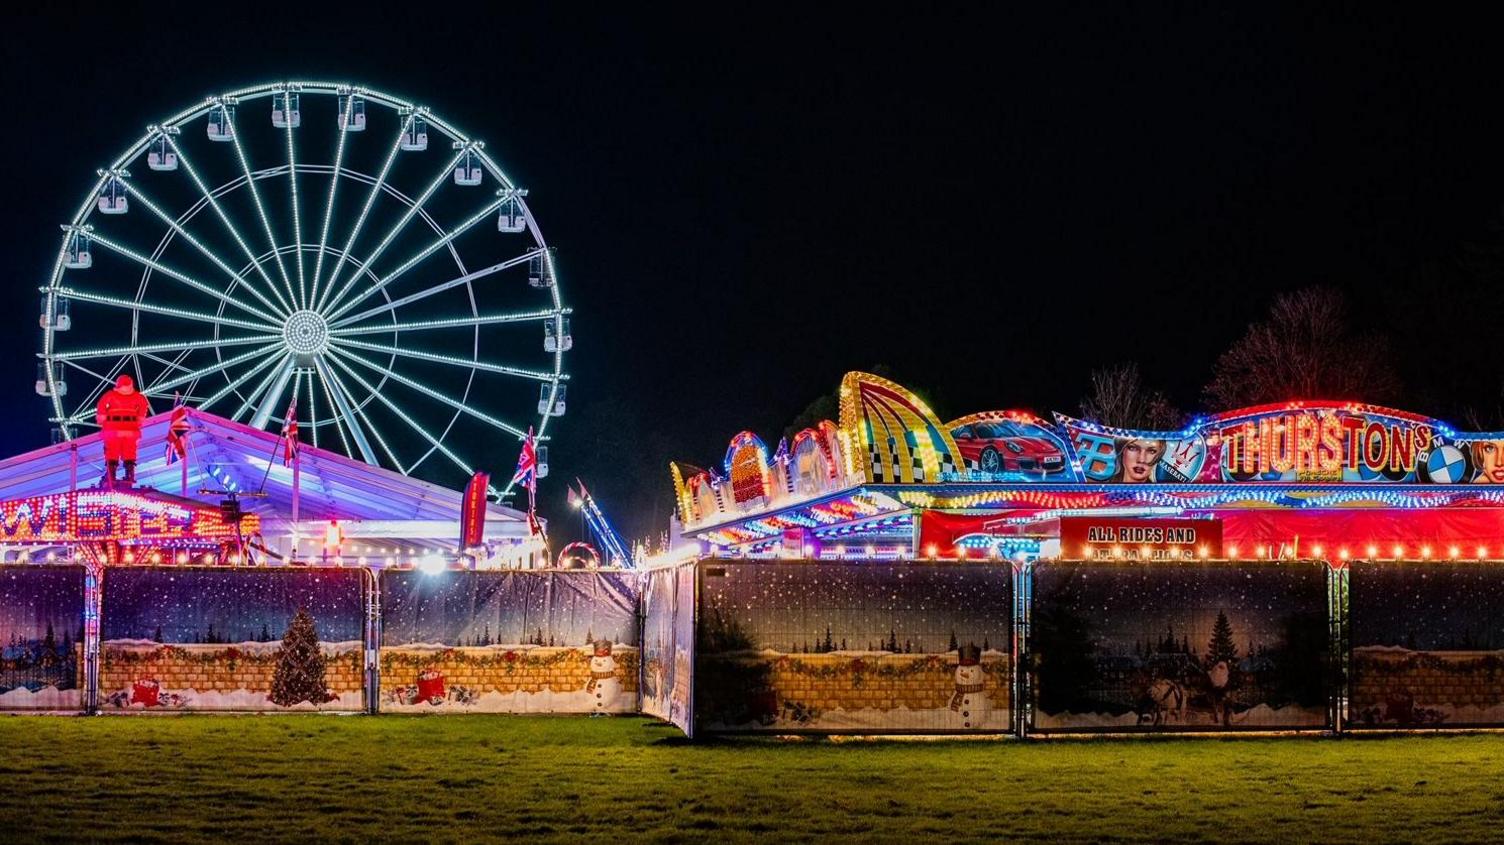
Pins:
x,y
1138,538
473,511
964,535
107,515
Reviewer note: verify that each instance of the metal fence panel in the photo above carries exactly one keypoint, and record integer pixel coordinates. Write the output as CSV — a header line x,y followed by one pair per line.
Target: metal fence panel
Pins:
x,y
1427,644
848,646
1179,645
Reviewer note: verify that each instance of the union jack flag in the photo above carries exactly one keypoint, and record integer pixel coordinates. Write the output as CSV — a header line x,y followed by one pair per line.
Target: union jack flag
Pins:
x,y
527,463
290,433
177,434
527,476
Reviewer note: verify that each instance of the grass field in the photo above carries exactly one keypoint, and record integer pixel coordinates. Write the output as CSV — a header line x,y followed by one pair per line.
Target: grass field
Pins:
x,y
420,780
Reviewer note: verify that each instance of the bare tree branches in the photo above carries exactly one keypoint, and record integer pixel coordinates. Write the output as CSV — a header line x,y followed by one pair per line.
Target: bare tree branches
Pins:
x,y
1305,349
1119,398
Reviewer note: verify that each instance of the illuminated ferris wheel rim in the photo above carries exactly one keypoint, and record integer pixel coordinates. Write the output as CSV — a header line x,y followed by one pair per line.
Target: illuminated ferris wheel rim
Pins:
x,y
309,324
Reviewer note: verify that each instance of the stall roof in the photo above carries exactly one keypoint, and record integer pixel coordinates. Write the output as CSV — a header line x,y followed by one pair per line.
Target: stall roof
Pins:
x,y
224,454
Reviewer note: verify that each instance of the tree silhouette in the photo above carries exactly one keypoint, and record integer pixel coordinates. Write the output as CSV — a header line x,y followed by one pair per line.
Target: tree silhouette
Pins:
x,y
1307,348
1118,397
1221,647
299,675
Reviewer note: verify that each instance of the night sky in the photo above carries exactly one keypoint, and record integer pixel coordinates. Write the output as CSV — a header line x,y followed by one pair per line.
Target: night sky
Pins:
x,y
748,205
1427,605
33,597
185,602
1126,605
462,608
780,607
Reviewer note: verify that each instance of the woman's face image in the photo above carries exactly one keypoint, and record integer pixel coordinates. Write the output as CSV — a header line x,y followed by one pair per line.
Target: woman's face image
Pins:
x,y
1488,455
1138,458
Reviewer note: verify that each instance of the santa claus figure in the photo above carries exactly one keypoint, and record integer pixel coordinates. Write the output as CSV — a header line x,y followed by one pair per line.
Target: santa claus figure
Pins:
x,y
969,703
119,415
603,687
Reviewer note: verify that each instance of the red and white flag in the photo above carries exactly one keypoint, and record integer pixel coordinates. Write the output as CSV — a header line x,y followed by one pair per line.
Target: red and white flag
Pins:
x,y
177,434
527,476
527,463
290,433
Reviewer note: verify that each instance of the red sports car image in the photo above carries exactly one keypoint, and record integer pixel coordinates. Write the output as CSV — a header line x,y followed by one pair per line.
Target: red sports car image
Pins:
x,y
1004,446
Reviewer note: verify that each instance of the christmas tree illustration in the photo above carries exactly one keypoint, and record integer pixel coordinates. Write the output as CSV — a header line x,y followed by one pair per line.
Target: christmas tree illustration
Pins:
x,y
299,675
1221,646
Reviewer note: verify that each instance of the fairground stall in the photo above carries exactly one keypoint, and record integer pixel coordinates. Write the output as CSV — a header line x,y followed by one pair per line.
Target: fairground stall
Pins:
x,y
890,480
1305,566
226,580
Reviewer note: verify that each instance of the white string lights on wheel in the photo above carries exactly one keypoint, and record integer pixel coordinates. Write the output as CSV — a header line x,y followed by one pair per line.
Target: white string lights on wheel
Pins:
x,y
320,241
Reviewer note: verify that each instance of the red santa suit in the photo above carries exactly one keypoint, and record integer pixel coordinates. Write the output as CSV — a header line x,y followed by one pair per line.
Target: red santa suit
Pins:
x,y
119,414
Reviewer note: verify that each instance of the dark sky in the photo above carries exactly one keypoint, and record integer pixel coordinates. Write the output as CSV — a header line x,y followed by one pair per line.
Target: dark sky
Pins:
x,y
749,202
863,605
185,602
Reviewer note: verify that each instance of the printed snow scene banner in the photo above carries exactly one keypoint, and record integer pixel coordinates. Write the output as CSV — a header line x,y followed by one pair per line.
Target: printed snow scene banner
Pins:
x,y
509,642
181,638
1427,644
1179,645
803,646
42,623
668,632
1296,442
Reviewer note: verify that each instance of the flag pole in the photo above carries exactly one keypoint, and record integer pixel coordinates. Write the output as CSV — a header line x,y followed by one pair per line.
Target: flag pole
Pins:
x,y
297,485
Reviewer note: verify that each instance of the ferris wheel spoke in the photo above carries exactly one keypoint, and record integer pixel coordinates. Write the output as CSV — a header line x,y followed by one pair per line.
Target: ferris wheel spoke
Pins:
x,y
365,211
186,345
339,158
250,184
207,253
86,371
280,373
234,384
313,415
342,401
181,277
402,222
342,389
451,360
433,247
297,223
259,352
166,310
268,406
168,366
436,289
228,224
432,394
401,414
457,322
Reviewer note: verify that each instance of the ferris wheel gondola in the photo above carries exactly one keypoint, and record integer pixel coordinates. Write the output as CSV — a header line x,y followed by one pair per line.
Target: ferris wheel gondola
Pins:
x,y
239,270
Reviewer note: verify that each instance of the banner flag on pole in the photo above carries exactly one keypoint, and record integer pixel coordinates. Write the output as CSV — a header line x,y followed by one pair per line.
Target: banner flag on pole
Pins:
x,y
527,476
177,431
290,433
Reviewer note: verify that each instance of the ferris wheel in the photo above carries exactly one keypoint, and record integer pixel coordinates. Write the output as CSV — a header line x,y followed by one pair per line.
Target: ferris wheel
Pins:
x,y
319,243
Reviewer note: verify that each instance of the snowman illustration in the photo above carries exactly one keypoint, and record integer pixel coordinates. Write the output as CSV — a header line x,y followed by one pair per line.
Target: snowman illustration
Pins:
x,y
969,703
603,685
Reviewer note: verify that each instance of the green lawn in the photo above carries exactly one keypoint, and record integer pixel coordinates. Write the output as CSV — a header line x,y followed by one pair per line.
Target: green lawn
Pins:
x,y
435,779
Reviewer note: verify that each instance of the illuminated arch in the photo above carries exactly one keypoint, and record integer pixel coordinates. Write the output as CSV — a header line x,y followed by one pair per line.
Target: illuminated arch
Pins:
x,y
746,467
900,436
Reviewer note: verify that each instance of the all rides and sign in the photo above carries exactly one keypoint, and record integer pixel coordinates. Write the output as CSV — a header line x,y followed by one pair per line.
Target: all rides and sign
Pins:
x,y
1300,477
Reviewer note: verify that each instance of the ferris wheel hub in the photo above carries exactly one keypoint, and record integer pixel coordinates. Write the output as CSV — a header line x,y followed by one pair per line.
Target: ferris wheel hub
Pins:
x,y
306,335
